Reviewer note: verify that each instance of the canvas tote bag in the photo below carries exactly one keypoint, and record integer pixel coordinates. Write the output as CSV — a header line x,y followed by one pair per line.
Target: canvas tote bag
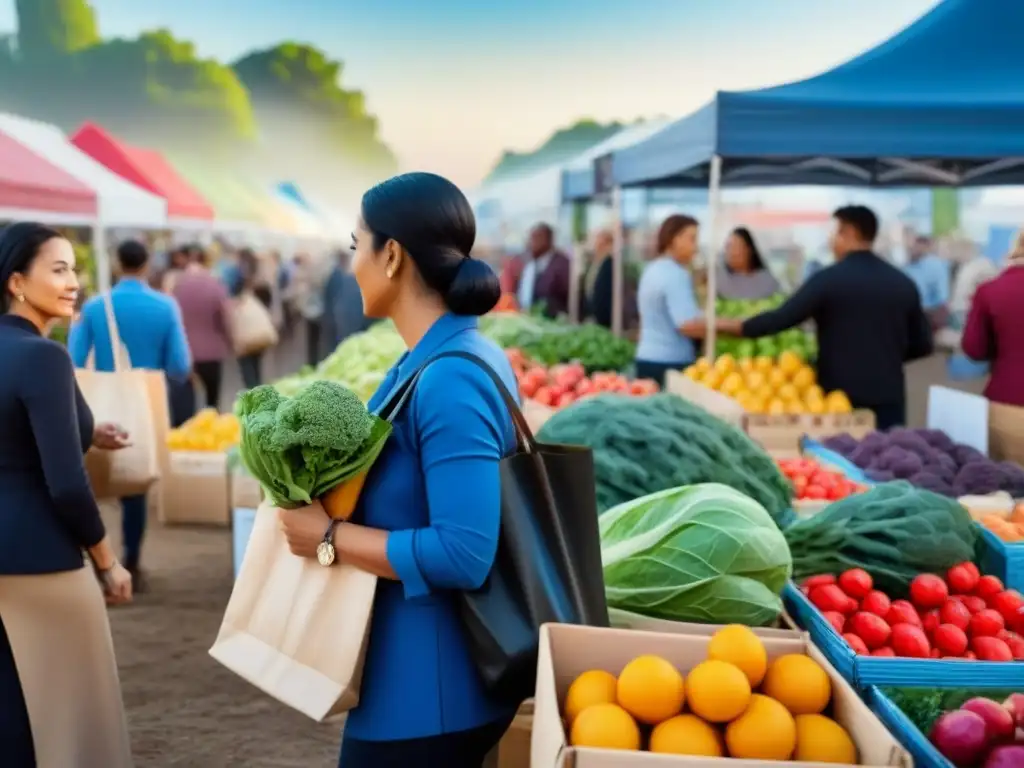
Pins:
x,y
121,397
295,629
252,327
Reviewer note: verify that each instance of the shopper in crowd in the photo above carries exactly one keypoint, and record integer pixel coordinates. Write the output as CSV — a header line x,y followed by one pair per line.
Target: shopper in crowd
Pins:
x,y
204,304
744,274
422,700
541,276
670,318
995,330
343,304
309,279
61,699
153,335
596,283
251,280
177,260
931,275
868,317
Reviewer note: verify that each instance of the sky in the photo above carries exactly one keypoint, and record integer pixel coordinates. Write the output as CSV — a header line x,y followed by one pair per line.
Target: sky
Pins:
x,y
455,82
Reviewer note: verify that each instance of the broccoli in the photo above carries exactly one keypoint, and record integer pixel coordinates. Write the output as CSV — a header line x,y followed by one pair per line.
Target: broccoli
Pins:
x,y
324,415
929,482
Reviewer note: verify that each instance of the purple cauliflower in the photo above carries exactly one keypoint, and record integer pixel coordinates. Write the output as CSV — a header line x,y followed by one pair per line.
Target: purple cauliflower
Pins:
x,y
937,439
929,482
978,478
864,454
946,471
843,443
965,454
1013,478
947,463
879,475
875,440
913,442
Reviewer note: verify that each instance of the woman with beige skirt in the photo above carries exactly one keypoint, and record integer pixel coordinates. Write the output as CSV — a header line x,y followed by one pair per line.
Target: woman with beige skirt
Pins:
x,y
60,698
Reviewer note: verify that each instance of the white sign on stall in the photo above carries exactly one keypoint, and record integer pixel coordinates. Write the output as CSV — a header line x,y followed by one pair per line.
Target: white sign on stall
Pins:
x,y
961,415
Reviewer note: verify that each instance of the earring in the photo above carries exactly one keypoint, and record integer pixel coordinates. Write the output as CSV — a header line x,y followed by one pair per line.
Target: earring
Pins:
x,y
390,273
21,297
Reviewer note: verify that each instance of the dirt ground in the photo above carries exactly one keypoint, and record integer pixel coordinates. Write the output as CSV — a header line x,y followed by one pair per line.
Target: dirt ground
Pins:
x,y
183,708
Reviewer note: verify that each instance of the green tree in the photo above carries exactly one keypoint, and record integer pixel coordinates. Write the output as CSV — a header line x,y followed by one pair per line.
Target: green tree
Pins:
x,y
561,146
316,126
48,29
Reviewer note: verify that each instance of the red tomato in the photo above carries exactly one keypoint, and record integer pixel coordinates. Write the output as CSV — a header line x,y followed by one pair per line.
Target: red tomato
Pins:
x,y
963,578
815,492
855,643
1017,624
829,597
935,653
902,612
1015,643
799,486
928,591
991,649
819,581
855,582
986,623
884,651
543,396
837,491
950,639
987,587
836,619
930,621
910,641
870,628
566,400
1007,603
956,613
876,602
973,603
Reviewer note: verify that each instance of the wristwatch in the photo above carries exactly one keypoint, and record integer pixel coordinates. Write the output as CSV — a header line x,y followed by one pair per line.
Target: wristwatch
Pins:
x,y
325,554
104,573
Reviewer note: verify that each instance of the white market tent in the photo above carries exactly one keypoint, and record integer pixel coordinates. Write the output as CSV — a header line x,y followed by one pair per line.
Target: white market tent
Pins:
x,y
119,202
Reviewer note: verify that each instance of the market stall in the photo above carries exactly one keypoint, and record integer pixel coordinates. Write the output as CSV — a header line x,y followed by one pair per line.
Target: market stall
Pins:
x,y
32,188
936,105
187,209
120,203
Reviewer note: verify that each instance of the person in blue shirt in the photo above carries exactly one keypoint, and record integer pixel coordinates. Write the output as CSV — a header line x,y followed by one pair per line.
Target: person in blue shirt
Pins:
x,y
422,701
670,318
931,275
150,326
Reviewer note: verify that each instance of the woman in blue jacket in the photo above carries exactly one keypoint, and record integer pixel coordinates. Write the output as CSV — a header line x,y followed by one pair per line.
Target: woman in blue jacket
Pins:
x,y
428,517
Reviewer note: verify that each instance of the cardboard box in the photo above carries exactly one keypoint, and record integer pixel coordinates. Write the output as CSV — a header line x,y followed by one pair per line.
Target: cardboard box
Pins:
x,y
514,748
197,490
780,434
245,490
566,651
715,403
1006,432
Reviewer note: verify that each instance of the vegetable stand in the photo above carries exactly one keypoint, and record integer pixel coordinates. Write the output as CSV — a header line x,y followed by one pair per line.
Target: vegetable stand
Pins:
x,y
1005,559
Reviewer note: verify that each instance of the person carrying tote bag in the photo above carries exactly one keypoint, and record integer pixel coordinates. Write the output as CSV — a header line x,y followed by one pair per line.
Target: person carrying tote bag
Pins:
x,y
437,520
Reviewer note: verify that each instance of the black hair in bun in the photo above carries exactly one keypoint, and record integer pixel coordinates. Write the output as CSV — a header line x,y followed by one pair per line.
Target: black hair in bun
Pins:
x,y
431,218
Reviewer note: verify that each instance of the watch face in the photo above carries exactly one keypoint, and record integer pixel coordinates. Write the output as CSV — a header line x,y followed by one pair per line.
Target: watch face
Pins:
x,y
325,553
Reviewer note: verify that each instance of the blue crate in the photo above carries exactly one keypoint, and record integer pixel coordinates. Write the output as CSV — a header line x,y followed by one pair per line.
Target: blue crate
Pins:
x,y
815,450
906,733
1002,559
863,671
242,521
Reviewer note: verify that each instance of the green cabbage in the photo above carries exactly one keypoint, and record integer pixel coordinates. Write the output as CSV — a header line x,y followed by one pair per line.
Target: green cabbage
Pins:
x,y
704,553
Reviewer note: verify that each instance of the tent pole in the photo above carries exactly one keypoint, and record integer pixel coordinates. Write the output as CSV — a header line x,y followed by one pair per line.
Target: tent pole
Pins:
x,y
714,204
101,257
576,256
618,283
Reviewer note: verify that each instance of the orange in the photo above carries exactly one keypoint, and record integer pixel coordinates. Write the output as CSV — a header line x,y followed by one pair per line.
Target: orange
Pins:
x,y
593,687
651,689
799,683
718,691
737,644
687,735
605,726
765,731
821,740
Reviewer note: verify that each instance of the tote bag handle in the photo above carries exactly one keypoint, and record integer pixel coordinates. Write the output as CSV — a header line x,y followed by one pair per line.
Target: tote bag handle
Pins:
x,y
525,439
122,360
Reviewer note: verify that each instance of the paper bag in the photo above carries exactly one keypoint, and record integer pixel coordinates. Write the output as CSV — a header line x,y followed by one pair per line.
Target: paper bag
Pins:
x,y
295,629
252,327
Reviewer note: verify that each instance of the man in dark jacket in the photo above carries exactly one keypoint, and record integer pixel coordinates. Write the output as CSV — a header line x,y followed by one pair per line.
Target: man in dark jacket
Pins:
x,y
542,275
343,306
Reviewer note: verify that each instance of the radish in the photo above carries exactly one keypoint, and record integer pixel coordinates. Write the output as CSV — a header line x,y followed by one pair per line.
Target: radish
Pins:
x,y
1015,705
999,723
961,737
1008,756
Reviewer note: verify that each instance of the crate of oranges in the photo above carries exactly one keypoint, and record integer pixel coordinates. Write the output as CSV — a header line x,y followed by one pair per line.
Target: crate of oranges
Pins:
x,y
611,698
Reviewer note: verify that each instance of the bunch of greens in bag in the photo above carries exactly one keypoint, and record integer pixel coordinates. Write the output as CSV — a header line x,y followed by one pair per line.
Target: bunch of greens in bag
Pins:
x,y
301,447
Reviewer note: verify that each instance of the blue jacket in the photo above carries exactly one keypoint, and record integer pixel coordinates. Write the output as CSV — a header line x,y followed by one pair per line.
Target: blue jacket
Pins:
x,y
150,327
436,489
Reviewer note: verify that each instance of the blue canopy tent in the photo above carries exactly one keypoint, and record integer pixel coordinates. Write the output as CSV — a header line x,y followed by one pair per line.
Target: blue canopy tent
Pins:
x,y
939,104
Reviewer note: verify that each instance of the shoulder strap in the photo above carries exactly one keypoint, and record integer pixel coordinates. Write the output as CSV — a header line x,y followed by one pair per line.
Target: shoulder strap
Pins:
x,y
398,399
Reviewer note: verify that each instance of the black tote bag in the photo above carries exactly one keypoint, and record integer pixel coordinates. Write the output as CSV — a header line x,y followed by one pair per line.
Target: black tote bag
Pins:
x,y
548,563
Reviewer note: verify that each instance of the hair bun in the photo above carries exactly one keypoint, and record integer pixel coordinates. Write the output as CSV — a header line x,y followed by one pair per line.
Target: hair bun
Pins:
x,y
474,290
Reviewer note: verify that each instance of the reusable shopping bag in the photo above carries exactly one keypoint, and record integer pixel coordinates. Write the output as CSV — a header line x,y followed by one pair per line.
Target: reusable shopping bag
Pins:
x,y
252,327
124,397
548,563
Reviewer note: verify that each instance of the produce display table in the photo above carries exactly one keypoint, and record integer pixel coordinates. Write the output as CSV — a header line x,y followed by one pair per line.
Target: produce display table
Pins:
x,y
917,744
